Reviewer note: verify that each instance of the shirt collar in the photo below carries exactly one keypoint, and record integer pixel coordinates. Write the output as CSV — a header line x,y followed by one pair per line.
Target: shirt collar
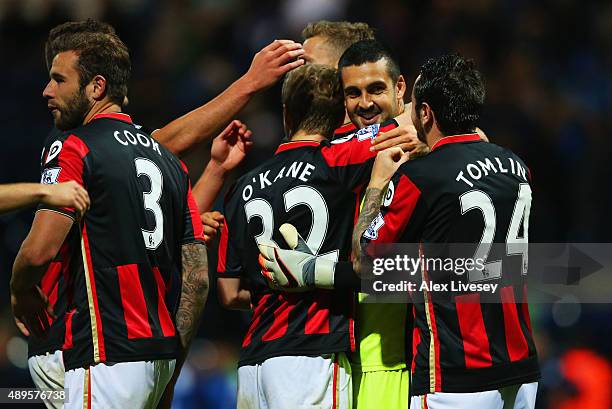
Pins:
x,y
294,145
472,137
115,115
348,127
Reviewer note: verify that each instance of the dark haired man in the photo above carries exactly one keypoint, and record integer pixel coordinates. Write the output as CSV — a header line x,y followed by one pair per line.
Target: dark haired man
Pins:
x,y
123,343
293,354
228,149
467,350
373,93
324,43
373,85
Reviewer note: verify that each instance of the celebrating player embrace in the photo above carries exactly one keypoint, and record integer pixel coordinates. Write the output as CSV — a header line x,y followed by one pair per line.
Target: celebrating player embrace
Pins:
x,y
111,281
465,350
294,352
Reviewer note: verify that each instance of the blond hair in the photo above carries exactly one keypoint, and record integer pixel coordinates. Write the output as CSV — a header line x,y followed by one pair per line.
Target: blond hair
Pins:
x,y
340,34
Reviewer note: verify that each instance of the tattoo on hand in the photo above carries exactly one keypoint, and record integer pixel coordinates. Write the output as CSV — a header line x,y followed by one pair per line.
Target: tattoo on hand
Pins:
x,y
370,209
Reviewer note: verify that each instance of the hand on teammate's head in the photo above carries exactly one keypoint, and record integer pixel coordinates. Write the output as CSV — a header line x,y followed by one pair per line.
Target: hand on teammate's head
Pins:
x,y
272,62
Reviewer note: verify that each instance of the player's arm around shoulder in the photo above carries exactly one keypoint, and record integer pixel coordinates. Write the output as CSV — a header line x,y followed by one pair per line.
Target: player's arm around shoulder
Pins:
x,y
404,135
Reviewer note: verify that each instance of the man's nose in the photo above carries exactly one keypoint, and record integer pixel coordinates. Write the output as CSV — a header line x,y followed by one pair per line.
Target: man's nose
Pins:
x,y
365,102
48,91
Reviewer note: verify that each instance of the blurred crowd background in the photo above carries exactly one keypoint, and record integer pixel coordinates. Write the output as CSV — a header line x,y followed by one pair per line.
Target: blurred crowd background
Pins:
x,y
548,70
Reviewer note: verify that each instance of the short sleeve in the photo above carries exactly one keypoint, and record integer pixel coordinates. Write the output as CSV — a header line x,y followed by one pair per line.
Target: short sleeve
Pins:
x,y
229,262
193,230
63,160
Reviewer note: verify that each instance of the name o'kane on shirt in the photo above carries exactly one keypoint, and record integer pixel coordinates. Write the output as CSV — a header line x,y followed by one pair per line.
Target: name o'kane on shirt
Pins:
x,y
297,170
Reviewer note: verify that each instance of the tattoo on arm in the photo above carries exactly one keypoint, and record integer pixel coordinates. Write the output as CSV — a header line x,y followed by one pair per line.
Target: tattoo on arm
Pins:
x,y
371,207
194,291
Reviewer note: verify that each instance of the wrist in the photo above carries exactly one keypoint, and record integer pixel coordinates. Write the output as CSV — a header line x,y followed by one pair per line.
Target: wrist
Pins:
x,y
378,183
215,168
247,84
43,192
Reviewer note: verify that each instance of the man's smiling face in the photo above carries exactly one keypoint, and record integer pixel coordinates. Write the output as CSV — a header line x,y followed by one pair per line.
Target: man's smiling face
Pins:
x,y
370,94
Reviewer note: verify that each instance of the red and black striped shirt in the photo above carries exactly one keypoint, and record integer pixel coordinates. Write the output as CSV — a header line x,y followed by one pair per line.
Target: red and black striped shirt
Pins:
x,y
123,261
463,188
312,185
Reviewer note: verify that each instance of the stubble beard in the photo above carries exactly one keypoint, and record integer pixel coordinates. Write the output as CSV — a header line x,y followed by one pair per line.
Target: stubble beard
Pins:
x,y
73,113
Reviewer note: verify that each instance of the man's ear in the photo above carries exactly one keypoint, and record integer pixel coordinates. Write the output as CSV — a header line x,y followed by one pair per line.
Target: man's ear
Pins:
x,y
97,87
400,88
426,115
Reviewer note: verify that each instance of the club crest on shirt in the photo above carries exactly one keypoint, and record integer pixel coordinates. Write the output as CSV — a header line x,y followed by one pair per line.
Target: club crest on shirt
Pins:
x,y
50,176
369,132
389,195
343,139
54,150
372,232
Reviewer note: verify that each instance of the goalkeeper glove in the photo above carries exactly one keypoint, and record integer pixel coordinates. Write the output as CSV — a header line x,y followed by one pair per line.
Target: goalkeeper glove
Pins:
x,y
297,269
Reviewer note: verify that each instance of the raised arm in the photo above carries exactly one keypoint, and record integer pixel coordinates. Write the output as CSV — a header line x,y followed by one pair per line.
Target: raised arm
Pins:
x,y
374,195
227,151
386,164
201,124
18,195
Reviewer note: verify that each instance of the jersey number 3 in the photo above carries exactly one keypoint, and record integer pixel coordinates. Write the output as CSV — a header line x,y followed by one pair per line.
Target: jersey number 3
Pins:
x,y
147,168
